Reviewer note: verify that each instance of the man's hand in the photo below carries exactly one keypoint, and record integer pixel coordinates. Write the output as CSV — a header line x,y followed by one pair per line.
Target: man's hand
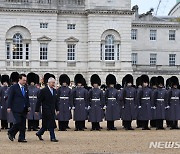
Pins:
x,y
57,112
8,110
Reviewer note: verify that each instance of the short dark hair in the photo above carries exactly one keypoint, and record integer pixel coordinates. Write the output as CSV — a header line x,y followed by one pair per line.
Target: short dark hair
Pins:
x,y
22,75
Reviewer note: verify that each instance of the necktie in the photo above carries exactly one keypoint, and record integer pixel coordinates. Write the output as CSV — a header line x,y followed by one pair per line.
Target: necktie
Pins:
x,y
23,91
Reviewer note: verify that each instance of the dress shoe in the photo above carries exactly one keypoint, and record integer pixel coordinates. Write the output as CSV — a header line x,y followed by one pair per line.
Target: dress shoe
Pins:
x,y
54,140
114,128
39,136
130,128
23,141
11,137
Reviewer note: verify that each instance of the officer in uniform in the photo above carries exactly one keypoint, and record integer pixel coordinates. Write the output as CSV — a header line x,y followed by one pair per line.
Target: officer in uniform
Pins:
x,y
79,98
112,102
144,101
159,99
174,103
96,102
64,93
153,86
3,101
33,118
128,102
138,87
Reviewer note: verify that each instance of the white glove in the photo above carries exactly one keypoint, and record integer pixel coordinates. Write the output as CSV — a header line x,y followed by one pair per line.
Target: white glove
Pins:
x,y
139,107
1,107
73,108
69,108
167,107
153,107
104,107
89,107
122,107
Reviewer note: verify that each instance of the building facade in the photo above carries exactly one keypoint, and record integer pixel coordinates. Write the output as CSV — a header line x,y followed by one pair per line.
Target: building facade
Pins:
x,y
87,36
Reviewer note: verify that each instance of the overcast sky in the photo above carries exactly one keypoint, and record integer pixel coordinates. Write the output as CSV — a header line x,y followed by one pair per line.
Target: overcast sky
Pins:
x,y
145,5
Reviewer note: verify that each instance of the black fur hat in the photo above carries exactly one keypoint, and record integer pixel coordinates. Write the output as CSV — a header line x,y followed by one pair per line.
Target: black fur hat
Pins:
x,y
5,78
153,81
145,78
174,81
110,79
37,78
138,81
31,77
14,77
128,79
160,80
78,79
64,79
95,79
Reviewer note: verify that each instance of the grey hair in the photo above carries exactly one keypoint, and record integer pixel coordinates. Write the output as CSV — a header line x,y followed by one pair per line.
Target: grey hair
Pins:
x,y
51,79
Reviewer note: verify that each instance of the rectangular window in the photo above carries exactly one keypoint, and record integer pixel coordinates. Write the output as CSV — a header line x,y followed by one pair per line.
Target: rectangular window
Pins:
x,y
172,34
8,51
134,58
172,59
153,35
101,52
134,34
71,26
43,25
27,51
71,52
43,51
153,59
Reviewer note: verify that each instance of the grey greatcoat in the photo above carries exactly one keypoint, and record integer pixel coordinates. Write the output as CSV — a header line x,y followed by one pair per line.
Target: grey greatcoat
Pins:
x,y
159,99
112,104
33,93
79,99
145,104
4,95
129,103
96,103
174,103
64,94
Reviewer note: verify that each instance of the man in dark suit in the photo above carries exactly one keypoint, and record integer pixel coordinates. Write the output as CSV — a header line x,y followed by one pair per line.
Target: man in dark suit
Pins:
x,y
49,101
18,103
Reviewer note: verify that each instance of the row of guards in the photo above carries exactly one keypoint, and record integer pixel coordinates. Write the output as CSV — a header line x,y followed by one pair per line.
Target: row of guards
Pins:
x,y
149,101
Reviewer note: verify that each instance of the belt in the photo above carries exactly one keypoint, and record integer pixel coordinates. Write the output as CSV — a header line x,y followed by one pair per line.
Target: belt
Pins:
x,y
174,98
64,97
160,100
111,98
33,97
146,98
129,99
96,99
79,98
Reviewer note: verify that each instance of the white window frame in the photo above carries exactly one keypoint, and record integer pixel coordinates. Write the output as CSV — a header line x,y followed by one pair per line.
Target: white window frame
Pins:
x,y
172,59
153,35
134,57
44,25
153,59
134,34
43,51
172,35
71,52
71,26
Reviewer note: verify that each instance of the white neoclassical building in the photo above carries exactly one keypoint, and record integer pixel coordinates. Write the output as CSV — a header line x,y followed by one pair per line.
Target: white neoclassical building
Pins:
x,y
87,36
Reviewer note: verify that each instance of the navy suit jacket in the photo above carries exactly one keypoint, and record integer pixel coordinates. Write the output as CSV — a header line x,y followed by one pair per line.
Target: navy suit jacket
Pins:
x,y
16,101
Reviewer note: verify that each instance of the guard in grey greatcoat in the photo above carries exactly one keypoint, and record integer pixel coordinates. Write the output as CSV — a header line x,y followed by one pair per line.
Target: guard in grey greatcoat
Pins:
x,y
3,101
14,78
138,88
144,101
159,99
79,100
174,103
128,102
64,93
33,118
112,102
153,86
96,102
168,88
